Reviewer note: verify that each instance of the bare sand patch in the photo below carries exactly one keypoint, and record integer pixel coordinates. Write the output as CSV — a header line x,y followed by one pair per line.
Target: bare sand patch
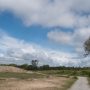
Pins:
x,y
11,69
54,83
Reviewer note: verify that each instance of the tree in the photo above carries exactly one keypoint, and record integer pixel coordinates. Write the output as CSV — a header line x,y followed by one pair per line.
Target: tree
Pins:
x,y
45,67
34,63
87,47
24,66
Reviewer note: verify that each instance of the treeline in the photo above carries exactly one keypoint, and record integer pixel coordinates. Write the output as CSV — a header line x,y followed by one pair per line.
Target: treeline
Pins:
x,y
45,67
59,70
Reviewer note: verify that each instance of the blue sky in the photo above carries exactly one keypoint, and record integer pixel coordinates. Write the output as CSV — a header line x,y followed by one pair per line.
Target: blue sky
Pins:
x,y
54,34
34,34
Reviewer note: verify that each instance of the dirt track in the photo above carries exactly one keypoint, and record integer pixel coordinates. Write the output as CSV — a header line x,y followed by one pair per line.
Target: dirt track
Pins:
x,y
81,84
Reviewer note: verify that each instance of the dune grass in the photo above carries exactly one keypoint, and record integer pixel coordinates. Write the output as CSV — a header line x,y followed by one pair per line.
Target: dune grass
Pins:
x,y
66,72
69,83
25,76
89,80
20,75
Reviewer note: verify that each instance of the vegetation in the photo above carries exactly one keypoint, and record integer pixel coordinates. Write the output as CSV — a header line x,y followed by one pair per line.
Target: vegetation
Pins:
x,y
87,50
87,47
69,83
89,80
66,72
33,77
20,75
57,71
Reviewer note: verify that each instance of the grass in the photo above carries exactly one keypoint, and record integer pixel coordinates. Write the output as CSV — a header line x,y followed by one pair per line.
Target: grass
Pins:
x,y
89,80
34,75
58,72
20,75
69,83
66,72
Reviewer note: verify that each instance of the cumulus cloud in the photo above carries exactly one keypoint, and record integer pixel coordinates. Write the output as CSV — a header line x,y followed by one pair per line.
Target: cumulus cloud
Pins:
x,y
75,39
13,50
81,6
63,13
59,36
73,14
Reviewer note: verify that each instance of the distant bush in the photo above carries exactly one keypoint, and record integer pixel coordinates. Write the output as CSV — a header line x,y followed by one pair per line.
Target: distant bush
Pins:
x,y
58,70
86,73
75,77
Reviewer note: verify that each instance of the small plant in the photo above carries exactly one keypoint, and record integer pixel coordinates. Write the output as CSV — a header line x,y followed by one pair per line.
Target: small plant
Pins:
x,y
75,77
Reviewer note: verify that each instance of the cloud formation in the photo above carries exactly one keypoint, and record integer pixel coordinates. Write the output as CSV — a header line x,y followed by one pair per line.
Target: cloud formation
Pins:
x,y
73,14
59,36
50,13
75,39
13,50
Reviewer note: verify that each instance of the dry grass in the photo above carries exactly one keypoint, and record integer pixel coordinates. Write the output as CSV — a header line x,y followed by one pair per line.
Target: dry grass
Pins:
x,y
54,83
12,78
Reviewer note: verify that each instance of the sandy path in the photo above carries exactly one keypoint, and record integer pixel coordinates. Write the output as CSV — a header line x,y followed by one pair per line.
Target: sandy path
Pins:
x,y
81,84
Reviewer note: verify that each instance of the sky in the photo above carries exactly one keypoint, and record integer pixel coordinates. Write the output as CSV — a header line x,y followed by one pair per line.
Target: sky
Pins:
x,y
51,31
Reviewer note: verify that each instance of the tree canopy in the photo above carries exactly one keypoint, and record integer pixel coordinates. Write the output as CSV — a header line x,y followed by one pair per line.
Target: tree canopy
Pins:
x,y
87,46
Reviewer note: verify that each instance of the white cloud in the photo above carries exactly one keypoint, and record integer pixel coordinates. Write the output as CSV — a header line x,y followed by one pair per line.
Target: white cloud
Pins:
x,y
64,13
81,6
59,36
13,50
75,39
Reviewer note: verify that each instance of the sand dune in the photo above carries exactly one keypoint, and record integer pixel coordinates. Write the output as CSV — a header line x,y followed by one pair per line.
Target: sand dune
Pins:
x,y
11,69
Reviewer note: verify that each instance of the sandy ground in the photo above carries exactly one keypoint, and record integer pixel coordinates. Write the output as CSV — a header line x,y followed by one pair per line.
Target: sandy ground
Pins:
x,y
81,84
33,84
11,69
